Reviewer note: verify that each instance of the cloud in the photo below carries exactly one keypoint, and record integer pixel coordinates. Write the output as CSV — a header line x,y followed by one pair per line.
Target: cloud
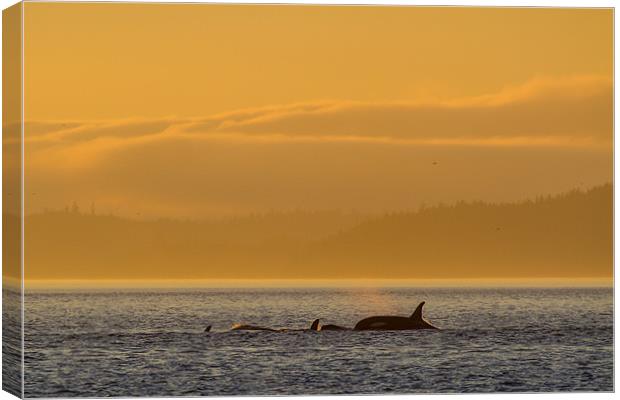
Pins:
x,y
548,135
542,111
577,108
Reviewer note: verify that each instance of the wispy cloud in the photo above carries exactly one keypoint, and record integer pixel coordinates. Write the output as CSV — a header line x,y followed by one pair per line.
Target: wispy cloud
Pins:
x,y
577,108
544,136
542,111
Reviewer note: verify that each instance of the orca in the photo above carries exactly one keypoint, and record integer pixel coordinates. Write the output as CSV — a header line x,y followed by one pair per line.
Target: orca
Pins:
x,y
332,327
243,327
208,329
395,323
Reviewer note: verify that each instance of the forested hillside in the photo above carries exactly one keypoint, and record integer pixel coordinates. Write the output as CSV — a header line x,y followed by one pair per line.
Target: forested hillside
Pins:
x,y
568,235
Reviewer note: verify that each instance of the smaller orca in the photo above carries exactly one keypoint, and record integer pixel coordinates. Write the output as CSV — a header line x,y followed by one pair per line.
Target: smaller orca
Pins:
x,y
243,327
332,327
415,321
208,329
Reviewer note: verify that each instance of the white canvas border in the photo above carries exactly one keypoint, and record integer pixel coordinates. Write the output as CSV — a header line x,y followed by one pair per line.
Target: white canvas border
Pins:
x,y
478,3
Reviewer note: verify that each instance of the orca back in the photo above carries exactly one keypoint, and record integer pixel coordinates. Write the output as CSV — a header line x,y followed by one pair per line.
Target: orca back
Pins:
x,y
396,323
331,327
384,323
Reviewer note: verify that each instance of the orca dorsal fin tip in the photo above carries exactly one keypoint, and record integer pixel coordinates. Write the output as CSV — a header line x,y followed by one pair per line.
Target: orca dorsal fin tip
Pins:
x,y
315,325
417,314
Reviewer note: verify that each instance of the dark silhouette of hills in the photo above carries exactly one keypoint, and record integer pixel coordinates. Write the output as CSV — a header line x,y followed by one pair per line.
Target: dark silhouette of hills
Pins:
x,y
568,235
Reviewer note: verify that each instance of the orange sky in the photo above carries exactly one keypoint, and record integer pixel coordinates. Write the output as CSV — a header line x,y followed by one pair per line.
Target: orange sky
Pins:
x,y
109,61
203,110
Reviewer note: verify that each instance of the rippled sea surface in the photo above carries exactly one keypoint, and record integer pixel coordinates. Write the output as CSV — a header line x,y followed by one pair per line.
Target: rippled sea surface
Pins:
x,y
140,343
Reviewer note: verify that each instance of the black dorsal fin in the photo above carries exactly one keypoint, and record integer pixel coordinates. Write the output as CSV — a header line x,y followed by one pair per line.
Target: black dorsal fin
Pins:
x,y
315,325
208,328
417,314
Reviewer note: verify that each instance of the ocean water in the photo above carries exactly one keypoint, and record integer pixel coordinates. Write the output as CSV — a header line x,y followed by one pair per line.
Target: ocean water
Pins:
x,y
151,343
